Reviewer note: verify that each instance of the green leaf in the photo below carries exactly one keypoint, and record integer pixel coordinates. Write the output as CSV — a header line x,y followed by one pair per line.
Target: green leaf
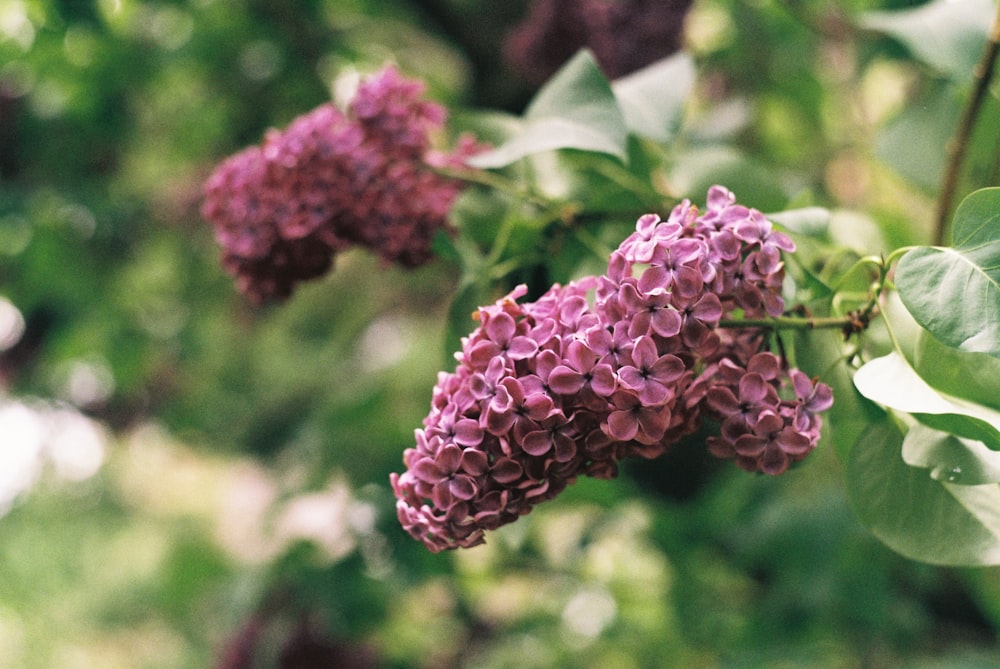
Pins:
x,y
652,99
947,35
891,382
954,293
576,109
971,376
923,519
950,458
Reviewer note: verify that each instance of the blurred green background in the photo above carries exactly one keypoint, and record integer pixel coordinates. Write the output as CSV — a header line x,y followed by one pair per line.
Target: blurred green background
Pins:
x,y
189,481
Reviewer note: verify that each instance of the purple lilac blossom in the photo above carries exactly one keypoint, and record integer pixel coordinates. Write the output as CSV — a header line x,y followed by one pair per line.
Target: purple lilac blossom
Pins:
x,y
760,429
532,443
282,210
548,391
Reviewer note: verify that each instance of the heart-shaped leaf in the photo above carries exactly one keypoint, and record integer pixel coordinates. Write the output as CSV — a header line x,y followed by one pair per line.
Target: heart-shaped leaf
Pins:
x,y
652,99
891,382
576,109
923,519
954,293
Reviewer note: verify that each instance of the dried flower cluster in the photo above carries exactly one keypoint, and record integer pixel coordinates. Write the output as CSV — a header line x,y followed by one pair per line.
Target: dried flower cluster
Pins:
x,y
553,389
283,209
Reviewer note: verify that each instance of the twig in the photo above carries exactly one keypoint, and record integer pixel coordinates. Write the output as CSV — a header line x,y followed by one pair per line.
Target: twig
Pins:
x,y
982,74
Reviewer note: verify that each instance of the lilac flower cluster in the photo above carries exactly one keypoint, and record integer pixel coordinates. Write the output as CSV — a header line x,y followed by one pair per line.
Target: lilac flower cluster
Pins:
x,y
550,390
282,210
760,430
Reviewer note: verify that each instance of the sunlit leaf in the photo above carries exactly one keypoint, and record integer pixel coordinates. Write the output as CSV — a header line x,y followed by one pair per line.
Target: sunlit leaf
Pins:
x,y
948,35
891,382
954,293
548,134
923,519
950,458
652,99
576,109
490,126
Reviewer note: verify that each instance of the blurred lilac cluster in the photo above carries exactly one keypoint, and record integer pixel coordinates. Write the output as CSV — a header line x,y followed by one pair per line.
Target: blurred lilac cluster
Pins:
x,y
282,210
550,390
624,35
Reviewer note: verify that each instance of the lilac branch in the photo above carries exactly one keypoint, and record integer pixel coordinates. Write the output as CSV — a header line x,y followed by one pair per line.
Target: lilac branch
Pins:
x,y
957,148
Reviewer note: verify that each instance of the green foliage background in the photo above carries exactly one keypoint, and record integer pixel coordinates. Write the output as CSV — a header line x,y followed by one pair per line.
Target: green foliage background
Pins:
x,y
224,422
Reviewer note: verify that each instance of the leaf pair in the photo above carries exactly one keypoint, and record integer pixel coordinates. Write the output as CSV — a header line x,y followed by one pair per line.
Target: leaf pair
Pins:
x,y
952,515
579,109
974,429
952,396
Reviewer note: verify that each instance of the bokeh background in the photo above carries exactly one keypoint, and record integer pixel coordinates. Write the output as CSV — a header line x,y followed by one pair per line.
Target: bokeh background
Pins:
x,y
189,480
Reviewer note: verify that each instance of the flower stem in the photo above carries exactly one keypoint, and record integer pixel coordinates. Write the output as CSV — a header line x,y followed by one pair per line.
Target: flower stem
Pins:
x,y
852,322
957,148
788,322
